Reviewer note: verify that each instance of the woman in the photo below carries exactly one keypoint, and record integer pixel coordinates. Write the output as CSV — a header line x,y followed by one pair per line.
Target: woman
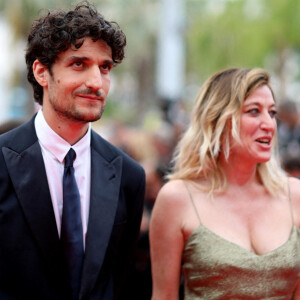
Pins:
x,y
229,216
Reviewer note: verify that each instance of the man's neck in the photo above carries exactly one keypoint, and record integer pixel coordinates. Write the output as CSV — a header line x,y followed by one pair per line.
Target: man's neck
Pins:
x,y
70,130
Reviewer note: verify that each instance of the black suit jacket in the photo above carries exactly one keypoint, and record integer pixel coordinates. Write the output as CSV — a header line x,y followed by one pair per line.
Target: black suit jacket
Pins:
x,y
31,264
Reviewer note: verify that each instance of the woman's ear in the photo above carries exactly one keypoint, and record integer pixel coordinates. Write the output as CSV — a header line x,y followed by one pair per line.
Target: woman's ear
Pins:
x,y
40,73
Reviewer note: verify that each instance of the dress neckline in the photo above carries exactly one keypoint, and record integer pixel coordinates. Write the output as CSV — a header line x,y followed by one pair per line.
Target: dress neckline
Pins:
x,y
202,227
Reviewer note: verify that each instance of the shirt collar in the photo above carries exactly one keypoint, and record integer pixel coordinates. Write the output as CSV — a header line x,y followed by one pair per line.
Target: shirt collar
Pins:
x,y
55,144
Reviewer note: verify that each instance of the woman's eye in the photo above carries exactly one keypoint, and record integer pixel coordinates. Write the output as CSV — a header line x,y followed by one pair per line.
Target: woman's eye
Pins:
x,y
253,111
273,113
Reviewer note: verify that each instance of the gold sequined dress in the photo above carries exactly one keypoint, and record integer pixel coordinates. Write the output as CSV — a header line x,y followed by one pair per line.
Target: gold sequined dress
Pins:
x,y
217,269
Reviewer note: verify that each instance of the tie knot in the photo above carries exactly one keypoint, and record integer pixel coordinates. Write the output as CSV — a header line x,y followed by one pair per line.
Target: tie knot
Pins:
x,y
70,157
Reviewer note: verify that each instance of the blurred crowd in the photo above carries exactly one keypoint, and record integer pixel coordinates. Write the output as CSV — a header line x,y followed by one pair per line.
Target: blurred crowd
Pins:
x,y
289,137
153,149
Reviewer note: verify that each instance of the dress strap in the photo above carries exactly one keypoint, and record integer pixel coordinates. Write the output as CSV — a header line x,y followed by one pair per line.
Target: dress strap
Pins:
x,y
290,200
192,200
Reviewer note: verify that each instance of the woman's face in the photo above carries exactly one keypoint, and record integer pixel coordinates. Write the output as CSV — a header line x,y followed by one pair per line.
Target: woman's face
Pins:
x,y
257,126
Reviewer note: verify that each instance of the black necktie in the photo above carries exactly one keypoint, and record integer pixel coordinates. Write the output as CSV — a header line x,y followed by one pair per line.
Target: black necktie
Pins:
x,y
71,226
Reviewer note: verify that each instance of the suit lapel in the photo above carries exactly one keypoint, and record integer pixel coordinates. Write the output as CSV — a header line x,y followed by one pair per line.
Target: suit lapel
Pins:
x,y
105,183
26,168
28,175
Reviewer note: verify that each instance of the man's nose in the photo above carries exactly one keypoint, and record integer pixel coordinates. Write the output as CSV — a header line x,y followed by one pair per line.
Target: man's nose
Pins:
x,y
94,78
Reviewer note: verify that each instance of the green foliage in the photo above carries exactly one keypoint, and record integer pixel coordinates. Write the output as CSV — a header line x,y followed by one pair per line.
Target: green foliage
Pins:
x,y
244,33
219,34
21,13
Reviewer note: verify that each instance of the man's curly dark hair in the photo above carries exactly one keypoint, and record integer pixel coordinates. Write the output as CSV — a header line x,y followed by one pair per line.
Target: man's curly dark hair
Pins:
x,y
57,31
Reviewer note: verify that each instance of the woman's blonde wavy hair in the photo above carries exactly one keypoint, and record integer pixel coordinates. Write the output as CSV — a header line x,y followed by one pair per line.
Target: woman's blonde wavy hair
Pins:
x,y
214,120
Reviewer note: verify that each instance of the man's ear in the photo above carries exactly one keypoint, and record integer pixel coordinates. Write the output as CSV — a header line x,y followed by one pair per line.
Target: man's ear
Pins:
x,y
40,73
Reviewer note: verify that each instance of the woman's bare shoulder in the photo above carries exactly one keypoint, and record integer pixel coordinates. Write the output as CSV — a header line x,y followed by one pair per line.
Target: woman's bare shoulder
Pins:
x,y
172,196
173,188
168,213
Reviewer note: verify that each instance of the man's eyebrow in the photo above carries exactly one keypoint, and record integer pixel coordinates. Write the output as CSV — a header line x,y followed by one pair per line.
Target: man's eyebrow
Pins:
x,y
74,57
85,58
109,62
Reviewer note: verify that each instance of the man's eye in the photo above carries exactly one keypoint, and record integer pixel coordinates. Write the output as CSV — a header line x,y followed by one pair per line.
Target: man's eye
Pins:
x,y
77,64
105,68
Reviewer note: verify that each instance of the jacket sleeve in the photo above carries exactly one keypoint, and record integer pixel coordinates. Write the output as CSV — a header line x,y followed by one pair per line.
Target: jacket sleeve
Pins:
x,y
127,245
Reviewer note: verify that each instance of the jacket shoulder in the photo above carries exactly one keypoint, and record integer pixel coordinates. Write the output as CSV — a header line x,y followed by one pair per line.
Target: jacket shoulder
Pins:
x,y
110,152
20,137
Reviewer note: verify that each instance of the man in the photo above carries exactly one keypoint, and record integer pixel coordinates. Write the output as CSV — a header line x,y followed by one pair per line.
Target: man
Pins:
x,y
69,58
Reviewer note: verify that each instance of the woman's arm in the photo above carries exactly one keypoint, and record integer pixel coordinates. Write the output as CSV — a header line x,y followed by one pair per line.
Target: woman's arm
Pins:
x,y
167,242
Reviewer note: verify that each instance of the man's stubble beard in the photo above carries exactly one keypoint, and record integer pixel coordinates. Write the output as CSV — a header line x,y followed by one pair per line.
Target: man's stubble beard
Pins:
x,y
77,116
71,112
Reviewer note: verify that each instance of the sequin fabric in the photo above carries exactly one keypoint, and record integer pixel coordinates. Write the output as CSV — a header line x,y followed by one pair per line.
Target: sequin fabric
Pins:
x,y
217,269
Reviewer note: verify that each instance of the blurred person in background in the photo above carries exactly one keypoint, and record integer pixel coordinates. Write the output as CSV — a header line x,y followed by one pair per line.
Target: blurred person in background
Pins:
x,y
53,244
291,165
229,216
289,130
10,124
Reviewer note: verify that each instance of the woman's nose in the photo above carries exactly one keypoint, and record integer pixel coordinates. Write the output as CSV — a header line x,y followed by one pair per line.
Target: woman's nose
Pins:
x,y
268,122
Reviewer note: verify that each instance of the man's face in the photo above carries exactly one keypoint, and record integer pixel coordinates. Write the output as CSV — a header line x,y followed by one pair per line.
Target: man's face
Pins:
x,y
79,84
